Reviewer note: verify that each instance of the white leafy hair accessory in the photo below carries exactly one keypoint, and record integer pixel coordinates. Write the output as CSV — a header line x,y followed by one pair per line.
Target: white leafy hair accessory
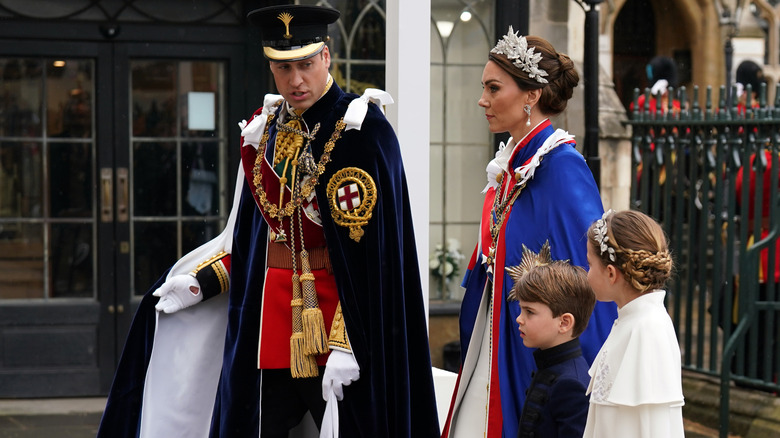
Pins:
x,y
600,231
515,47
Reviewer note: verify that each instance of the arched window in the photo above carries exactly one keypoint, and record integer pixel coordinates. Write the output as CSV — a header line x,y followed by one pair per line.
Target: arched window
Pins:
x,y
358,48
461,37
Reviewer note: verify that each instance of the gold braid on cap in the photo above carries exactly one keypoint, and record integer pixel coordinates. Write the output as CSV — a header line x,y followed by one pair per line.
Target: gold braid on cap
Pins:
x,y
515,47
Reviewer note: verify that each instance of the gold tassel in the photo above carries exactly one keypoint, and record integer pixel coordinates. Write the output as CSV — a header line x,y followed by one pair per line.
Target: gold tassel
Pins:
x,y
301,364
314,341
315,335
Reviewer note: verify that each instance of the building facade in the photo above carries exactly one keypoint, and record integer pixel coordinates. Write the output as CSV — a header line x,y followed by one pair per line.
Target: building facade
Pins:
x,y
118,143
118,153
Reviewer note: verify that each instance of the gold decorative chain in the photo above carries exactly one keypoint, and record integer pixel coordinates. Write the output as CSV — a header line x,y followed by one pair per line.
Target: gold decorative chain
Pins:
x,y
501,208
306,189
290,138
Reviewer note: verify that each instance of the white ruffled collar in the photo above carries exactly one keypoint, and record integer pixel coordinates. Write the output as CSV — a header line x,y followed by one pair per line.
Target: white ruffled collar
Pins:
x,y
500,164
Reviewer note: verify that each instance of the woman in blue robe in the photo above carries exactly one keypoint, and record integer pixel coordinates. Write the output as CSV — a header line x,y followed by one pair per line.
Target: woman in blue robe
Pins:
x,y
539,189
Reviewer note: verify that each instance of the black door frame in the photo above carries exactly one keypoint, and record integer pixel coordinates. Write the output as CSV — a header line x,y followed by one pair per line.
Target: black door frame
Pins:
x,y
112,50
123,54
29,320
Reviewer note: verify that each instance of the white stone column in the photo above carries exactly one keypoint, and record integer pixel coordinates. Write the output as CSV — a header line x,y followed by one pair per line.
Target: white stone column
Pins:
x,y
408,81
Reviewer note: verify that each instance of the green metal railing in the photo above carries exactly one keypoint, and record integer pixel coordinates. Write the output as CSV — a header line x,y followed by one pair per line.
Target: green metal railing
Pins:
x,y
687,172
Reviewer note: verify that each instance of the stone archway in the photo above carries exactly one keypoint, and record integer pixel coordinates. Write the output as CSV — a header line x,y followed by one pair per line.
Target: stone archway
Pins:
x,y
686,30
634,44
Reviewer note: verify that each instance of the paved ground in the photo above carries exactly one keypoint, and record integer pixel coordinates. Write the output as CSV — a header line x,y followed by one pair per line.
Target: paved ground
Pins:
x,y
696,430
79,418
50,418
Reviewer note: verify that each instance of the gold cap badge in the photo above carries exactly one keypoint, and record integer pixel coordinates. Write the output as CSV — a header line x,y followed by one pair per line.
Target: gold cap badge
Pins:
x,y
286,18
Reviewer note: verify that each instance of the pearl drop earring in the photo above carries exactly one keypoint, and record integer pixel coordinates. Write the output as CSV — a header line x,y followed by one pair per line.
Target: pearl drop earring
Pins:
x,y
527,109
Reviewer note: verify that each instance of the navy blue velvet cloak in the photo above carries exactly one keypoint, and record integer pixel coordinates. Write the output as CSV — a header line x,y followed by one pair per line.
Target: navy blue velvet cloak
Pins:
x,y
379,288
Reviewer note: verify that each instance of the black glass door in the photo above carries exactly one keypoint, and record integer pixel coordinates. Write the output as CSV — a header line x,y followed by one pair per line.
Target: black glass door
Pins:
x,y
113,163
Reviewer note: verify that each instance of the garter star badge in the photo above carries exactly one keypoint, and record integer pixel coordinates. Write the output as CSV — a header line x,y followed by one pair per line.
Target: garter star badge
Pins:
x,y
352,197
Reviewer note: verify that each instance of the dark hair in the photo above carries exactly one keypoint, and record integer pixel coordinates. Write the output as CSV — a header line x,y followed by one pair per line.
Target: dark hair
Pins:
x,y
662,67
560,286
561,75
750,73
641,249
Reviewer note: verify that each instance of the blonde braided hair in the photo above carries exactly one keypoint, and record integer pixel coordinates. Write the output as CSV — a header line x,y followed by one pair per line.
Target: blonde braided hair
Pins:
x,y
641,251
646,270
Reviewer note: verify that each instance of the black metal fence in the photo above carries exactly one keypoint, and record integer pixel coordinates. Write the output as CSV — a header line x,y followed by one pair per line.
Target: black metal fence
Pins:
x,y
688,166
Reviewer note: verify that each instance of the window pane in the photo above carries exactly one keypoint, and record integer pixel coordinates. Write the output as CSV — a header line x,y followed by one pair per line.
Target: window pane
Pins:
x,y
177,179
436,287
370,34
437,183
154,252
200,178
367,76
465,118
70,179
20,180
154,98
198,87
469,43
20,97
10,183
21,260
46,180
154,179
437,45
69,98
196,233
464,181
437,103
71,260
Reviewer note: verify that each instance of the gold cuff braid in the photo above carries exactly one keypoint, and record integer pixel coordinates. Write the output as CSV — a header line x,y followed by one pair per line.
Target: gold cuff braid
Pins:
x,y
338,331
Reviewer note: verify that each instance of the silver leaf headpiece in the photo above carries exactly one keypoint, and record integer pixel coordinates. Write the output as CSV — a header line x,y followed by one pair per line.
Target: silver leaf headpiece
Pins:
x,y
515,47
600,230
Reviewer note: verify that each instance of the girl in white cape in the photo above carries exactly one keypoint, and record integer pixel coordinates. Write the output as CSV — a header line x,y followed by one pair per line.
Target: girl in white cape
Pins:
x,y
636,383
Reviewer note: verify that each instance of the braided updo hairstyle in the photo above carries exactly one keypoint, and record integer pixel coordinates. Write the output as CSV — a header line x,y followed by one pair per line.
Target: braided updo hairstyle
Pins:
x,y
561,75
640,248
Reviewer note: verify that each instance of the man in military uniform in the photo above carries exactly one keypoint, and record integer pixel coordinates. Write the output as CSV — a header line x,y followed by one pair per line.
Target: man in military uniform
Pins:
x,y
318,263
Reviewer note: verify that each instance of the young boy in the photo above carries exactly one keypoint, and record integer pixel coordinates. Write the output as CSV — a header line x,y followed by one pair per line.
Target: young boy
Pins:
x,y
555,306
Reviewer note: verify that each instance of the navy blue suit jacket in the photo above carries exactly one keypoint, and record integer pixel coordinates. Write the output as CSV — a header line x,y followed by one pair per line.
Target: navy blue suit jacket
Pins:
x,y
556,405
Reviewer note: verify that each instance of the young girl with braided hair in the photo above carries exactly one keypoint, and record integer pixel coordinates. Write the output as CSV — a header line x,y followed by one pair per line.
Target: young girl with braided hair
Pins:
x,y
636,384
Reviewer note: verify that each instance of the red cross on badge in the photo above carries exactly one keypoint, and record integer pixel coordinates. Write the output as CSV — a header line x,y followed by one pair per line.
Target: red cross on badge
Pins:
x,y
352,196
349,197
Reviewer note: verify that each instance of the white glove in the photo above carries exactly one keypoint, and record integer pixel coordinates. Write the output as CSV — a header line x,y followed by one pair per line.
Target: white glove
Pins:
x,y
340,370
178,292
330,420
